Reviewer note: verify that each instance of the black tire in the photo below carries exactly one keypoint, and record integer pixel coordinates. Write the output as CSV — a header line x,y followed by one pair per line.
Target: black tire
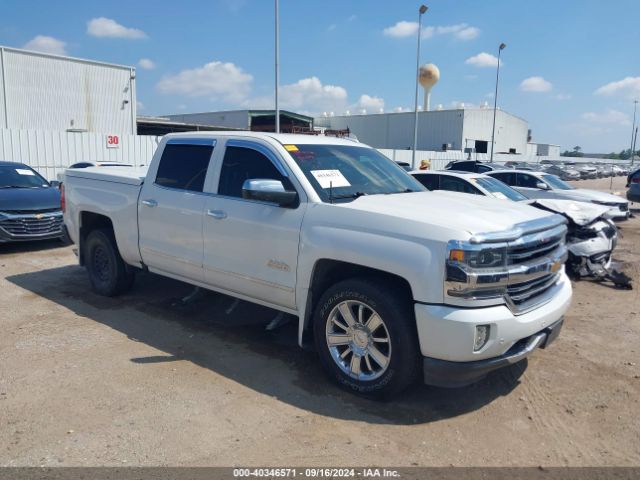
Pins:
x,y
108,273
396,311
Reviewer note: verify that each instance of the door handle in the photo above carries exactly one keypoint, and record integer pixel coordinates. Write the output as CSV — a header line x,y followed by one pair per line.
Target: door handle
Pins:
x,y
150,203
217,214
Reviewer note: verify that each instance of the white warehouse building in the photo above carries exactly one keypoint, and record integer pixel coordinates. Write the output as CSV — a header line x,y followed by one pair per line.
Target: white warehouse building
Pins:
x,y
459,129
39,91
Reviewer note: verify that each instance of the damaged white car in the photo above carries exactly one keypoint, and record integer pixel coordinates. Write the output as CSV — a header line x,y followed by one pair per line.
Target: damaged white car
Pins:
x,y
591,235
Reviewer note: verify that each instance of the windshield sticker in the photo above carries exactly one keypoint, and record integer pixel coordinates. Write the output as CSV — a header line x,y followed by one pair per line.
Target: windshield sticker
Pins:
x,y
499,195
291,148
22,171
330,178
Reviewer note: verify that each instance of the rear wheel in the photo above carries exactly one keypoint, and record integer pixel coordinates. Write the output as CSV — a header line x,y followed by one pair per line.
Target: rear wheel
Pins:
x,y
108,273
366,338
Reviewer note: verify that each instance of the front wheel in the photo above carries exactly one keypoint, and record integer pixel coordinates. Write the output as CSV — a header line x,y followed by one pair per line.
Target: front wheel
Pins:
x,y
366,337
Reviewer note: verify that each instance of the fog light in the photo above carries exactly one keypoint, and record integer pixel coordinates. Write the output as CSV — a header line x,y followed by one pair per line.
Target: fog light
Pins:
x,y
482,336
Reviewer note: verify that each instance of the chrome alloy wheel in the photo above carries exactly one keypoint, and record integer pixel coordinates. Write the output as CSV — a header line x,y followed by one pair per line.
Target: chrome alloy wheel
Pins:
x,y
358,340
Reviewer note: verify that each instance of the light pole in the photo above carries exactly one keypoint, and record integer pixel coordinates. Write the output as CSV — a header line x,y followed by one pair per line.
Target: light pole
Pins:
x,y
495,100
277,66
633,127
421,11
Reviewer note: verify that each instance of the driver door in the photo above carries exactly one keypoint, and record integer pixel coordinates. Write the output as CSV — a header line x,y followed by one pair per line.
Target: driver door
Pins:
x,y
251,247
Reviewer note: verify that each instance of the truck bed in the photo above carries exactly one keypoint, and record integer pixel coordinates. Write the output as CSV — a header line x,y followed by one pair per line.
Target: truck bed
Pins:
x,y
126,175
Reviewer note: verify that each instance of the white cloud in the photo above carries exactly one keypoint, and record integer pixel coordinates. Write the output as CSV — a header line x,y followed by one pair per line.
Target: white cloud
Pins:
x,y
311,95
401,29
106,27
146,64
140,105
628,87
609,117
483,59
398,110
563,96
461,31
535,84
45,44
370,104
218,80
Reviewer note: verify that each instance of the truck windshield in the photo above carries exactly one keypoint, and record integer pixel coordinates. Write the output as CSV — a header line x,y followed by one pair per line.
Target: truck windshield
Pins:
x,y
498,189
345,172
20,176
556,183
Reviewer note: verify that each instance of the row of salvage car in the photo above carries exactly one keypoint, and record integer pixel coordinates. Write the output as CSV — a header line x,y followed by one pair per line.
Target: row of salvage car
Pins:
x,y
592,234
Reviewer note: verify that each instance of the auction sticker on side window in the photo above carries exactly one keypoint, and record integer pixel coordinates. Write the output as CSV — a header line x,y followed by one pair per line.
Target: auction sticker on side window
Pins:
x,y
22,171
330,178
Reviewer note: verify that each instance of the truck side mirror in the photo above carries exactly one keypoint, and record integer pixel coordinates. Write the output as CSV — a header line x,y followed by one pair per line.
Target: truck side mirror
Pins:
x,y
542,186
54,183
266,190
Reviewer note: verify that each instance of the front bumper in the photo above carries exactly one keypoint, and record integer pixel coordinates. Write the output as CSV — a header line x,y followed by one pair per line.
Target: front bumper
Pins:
x,y
442,373
447,332
30,226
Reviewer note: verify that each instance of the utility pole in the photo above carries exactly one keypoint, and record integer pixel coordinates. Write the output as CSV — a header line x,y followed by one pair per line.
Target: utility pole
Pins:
x,y
277,66
421,11
495,100
633,128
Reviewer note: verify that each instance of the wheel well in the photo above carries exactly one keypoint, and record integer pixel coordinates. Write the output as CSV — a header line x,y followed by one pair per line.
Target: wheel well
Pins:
x,y
329,272
90,221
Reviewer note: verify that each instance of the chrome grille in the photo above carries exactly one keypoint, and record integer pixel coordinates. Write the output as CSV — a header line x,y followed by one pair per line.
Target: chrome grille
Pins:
x,y
519,293
32,225
534,246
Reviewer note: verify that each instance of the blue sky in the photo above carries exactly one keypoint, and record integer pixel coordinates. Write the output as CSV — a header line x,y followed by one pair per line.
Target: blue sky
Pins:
x,y
571,67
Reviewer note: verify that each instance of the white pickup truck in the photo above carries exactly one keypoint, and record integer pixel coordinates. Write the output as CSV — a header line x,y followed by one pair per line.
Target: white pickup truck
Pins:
x,y
388,280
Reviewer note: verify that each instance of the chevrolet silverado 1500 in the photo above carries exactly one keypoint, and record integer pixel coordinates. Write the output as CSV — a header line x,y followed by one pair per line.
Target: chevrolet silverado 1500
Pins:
x,y
388,281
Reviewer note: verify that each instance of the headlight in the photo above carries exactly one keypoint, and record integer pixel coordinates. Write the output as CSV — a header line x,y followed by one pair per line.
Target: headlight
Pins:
x,y
475,271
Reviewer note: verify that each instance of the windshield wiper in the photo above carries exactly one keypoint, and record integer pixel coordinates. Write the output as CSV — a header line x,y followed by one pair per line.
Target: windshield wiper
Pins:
x,y
348,195
406,190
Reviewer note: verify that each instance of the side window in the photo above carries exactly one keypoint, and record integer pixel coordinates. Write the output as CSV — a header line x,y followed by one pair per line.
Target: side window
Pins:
x,y
528,181
455,184
506,177
184,166
432,182
242,164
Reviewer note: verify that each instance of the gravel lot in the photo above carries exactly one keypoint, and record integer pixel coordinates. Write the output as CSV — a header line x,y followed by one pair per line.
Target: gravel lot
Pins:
x,y
143,380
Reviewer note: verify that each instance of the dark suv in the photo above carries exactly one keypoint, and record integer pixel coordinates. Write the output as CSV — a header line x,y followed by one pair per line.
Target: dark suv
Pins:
x,y
473,166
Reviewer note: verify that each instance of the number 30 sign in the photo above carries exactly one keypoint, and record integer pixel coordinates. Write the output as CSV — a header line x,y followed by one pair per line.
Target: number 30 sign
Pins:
x,y
113,141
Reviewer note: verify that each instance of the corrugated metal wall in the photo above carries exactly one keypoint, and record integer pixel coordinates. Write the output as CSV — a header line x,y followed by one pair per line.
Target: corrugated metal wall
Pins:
x,y
395,130
50,152
45,92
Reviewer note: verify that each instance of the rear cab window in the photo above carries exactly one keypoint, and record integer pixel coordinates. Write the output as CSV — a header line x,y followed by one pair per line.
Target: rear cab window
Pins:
x,y
184,166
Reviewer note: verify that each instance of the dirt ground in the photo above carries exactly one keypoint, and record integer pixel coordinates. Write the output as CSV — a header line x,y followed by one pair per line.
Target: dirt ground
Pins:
x,y
142,380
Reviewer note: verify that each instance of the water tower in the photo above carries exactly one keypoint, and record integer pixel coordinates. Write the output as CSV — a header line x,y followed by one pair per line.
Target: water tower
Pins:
x,y
428,77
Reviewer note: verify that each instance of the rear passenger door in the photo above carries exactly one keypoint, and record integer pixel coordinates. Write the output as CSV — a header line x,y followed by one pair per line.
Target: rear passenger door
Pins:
x,y
171,209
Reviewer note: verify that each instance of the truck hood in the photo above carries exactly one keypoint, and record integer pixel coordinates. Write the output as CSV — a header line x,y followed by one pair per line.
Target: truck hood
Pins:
x,y
581,213
459,211
29,199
